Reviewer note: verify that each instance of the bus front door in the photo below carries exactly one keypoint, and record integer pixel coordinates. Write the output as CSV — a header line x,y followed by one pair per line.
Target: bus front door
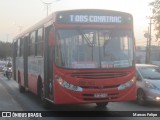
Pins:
x,y
48,59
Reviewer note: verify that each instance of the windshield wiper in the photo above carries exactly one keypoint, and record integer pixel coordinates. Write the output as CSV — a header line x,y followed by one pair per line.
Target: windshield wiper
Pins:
x,y
86,38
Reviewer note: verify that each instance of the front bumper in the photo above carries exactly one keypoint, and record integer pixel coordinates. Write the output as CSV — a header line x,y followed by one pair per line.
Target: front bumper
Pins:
x,y
152,95
65,96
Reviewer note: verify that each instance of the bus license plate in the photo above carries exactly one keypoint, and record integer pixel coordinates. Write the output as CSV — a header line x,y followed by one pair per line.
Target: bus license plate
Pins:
x,y
100,95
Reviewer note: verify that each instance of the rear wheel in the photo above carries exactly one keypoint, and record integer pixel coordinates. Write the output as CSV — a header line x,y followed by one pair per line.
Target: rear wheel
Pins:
x,y
102,105
21,88
141,97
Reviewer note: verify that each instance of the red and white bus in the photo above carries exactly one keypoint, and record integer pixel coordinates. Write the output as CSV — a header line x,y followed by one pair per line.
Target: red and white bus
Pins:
x,y
77,57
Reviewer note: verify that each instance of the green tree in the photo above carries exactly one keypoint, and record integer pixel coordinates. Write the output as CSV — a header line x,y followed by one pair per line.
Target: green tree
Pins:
x,y
5,49
156,16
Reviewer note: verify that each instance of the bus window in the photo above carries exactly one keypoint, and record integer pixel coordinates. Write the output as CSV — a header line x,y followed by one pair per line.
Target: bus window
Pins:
x,y
32,44
21,47
15,49
39,42
18,47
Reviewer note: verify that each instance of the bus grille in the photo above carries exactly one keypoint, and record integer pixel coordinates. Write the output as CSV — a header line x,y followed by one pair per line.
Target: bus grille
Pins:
x,y
111,96
99,87
95,75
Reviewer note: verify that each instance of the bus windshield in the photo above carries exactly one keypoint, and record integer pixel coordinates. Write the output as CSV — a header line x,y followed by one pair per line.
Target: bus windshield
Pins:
x,y
94,48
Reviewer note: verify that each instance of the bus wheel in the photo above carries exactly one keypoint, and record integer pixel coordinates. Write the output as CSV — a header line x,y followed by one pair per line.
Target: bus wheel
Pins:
x,y
101,105
141,97
45,103
21,89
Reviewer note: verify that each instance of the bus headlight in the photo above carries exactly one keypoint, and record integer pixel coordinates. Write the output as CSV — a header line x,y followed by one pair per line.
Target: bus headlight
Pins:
x,y
67,85
127,84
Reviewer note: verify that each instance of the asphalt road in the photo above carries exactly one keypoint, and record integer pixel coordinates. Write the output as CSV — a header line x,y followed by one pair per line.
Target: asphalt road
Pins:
x,y
12,100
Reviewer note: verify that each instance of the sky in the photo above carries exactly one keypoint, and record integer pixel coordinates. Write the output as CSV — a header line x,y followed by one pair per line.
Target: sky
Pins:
x,y
18,15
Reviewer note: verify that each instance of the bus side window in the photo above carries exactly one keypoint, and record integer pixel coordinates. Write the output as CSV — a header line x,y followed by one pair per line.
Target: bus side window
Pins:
x,y
21,47
39,42
18,47
15,49
32,44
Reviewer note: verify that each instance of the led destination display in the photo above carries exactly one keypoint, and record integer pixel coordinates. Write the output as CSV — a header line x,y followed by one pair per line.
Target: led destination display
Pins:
x,y
94,19
91,17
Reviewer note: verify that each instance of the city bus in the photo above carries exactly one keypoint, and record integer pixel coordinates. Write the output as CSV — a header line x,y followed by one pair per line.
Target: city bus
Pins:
x,y
78,57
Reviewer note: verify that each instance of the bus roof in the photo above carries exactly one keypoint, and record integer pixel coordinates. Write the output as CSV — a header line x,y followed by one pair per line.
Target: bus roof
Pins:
x,y
37,25
53,17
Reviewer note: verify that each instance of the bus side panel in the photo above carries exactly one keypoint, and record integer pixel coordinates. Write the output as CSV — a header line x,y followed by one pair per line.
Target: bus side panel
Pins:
x,y
32,83
35,71
22,77
31,74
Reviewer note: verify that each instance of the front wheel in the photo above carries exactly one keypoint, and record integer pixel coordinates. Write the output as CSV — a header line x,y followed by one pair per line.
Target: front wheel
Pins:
x,y
45,103
102,105
141,97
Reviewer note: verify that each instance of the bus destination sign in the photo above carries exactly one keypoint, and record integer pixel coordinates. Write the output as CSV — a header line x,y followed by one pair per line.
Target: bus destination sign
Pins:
x,y
79,18
94,19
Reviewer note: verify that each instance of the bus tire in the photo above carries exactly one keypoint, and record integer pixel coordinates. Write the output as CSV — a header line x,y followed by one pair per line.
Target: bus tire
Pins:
x,y
21,88
44,102
101,105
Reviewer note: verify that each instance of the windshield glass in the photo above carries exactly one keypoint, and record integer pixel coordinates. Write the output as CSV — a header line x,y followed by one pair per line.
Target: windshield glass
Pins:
x,y
91,48
150,72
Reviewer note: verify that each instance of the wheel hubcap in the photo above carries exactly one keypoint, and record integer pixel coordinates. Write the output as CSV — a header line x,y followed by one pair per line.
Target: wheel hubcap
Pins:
x,y
141,97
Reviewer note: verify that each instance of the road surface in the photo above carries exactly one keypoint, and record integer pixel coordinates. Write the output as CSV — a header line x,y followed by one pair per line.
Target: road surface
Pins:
x,y
12,100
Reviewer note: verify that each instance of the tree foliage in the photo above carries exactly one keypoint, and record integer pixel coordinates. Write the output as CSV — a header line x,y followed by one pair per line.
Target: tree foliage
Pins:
x,y
156,16
5,49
